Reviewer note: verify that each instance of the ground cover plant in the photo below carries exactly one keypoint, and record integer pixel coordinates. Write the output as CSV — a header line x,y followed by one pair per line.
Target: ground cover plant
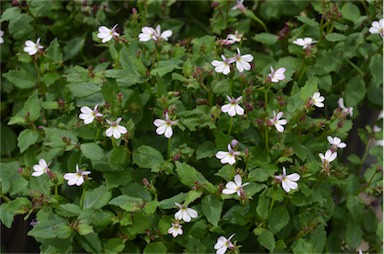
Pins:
x,y
193,126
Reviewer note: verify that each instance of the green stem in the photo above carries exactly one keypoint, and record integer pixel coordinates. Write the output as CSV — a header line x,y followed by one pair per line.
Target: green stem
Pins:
x,y
40,86
56,191
6,199
82,197
272,204
266,138
230,125
355,67
369,183
113,142
169,148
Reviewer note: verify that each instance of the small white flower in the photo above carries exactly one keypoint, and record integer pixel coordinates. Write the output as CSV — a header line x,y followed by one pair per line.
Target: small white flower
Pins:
x,y
277,122
276,76
148,33
344,109
223,244
223,66
88,115
328,157
31,48
163,35
233,107
164,126
305,43
242,62
106,34
115,130
317,100
288,182
40,168
1,36
239,6
377,27
233,38
185,213
175,230
234,187
336,143
227,157
76,178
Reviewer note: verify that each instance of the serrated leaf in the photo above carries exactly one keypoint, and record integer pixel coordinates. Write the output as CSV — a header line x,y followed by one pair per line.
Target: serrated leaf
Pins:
x,y
265,238
129,204
335,37
92,151
147,157
188,175
212,208
31,109
26,138
155,247
21,78
266,38
278,219
308,21
97,198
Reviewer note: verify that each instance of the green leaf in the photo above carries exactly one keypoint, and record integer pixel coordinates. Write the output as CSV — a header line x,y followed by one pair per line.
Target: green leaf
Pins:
x,y
354,91
10,181
92,151
165,67
155,247
136,190
68,210
319,238
170,202
335,37
21,78
192,195
265,238
83,89
302,246
266,38
31,109
54,137
8,140
350,12
26,139
147,157
114,245
353,233
278,219
97,198
206,149
9,209
84,229
10,13
308,89
20,26
129,204
376,70
117,178
91,243
308,21
212,208
73,47
120,155
189,175
263,205
50,105
53,51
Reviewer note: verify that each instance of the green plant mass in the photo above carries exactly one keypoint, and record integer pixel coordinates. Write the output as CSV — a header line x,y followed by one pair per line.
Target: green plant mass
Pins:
x,y
193,126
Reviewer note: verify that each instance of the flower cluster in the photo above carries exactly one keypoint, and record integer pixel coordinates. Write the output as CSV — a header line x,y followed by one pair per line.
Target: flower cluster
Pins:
x,y
184,214
242,63
232,38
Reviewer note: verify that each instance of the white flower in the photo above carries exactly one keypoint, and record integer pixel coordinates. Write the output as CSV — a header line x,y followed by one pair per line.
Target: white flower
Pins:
x,y
233,107
344,109
377,27
336,142
276,76
288,181
328,157
223,243
305,43
234,187
242,62
234,37
317,100
164,126
115,130
185,213
175,230
148,33
223,66
31,48
227,157
40,168
163,35
76,178
88,115
1,36
106,34
277,122
239,5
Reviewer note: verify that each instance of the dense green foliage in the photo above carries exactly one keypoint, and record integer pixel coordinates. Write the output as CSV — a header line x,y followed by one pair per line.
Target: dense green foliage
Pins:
x,y
127,202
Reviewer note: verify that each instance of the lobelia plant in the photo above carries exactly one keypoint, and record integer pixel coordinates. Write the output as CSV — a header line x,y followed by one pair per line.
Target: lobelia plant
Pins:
x,y
134,140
